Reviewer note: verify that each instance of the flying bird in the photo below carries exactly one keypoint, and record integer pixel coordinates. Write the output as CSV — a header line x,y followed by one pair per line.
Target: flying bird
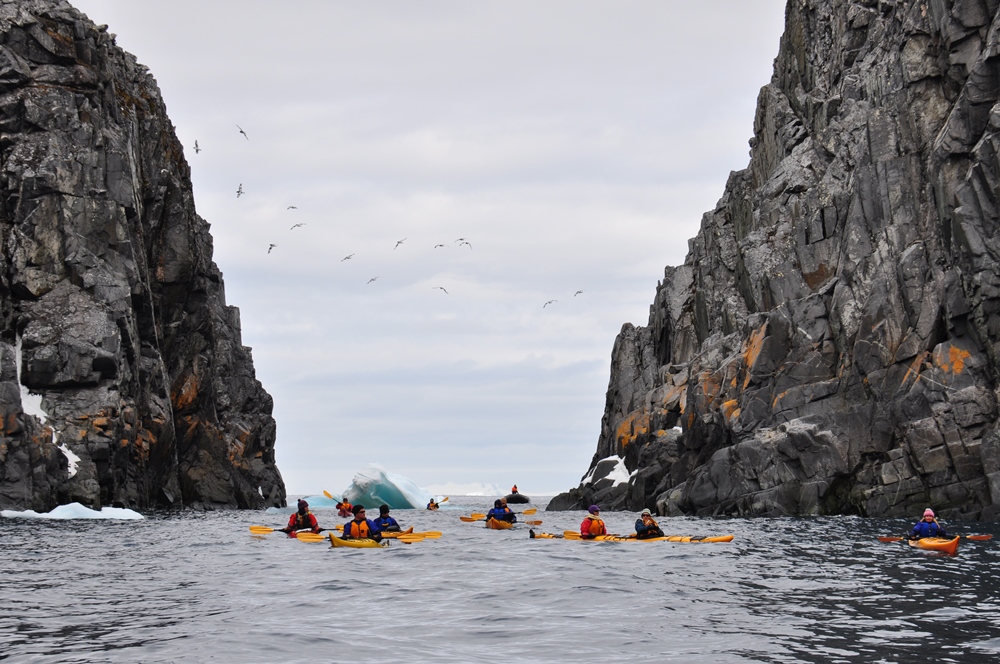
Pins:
x,y
577,293
468,243
461,239
243,132
239,192
548,303
399,243
196,148
442,288
346,258
270,247
291,207
294,226
371,280
438,245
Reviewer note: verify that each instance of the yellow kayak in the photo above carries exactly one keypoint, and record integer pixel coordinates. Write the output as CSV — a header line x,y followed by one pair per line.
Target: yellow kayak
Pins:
x,y
949,546
696,539
354,543
493,524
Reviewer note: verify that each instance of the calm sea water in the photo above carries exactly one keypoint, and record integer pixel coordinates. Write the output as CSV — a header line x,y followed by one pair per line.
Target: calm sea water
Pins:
x,y
199,588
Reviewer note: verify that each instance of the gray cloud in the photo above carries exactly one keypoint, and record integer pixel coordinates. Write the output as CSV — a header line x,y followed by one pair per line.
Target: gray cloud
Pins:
x,y
574,144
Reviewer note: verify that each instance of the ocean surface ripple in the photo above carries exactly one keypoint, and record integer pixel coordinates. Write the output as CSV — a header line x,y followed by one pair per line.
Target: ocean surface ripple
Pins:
x,y
195,587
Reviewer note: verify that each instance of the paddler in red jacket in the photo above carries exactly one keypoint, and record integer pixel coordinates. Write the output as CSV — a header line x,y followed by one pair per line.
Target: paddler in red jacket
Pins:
x,y
361,527
344,508
592,524
301,520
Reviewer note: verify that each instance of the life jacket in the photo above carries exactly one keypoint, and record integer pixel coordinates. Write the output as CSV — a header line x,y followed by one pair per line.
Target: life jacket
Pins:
x,y
356,530
432,505
513,489
301,521
596,525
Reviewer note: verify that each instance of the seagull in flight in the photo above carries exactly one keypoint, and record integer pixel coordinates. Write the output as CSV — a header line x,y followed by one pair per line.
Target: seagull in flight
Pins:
x,y
548,303
371,280
243,132
461,239
240,192
442,288
291,207
399,243
270,247
294,226
346,258
196,148
468,243
577,293
438,245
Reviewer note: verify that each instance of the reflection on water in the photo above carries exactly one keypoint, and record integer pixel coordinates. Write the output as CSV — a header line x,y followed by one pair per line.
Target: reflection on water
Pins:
x,y
199,587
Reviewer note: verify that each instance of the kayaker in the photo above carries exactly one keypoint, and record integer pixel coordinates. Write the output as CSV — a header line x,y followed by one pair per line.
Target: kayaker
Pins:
x,y
592,524
646,527
928,527
344,508
360,527
303,519
501,512
384,522
432,505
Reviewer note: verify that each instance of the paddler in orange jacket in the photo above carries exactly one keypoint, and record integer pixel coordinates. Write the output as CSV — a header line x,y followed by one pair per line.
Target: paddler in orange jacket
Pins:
x,y
303,519
361,527
592,524
344,508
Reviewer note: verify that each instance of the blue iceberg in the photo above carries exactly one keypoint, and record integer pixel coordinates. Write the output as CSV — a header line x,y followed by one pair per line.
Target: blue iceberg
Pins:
x,y
373,486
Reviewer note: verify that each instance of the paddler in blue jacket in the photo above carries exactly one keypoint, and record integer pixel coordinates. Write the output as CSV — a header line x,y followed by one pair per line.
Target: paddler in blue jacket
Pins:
x,y
646,527
384,522
928,527
501,512
361,527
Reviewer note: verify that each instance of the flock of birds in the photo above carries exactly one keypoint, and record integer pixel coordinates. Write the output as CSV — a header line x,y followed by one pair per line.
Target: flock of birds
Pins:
x,y
270,247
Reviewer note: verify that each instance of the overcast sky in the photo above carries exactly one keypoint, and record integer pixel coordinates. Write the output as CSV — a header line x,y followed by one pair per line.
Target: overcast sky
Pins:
x,y
573,145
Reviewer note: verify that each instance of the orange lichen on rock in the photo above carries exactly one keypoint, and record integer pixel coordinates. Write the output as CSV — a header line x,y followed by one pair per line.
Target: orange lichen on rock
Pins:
x,y
635,424
730,408
185,395
955,361
752,350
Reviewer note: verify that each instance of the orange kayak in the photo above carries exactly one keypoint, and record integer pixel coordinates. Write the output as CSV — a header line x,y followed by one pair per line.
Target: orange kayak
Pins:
x,y
499,525
949,546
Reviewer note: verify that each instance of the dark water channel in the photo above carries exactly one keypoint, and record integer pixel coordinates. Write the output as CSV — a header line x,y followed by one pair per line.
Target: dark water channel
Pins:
x,y
198,587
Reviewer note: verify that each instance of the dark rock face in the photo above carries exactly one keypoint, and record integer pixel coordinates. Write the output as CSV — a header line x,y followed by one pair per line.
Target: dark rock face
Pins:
x,y
112,308
830,345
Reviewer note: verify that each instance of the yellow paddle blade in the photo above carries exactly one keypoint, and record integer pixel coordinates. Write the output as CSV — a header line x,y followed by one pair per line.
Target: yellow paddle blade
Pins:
x,y
572,534
477,515
474,517
261,529
339,527
328,494
310,537
534,523
430,534
410,538
445,499
530,511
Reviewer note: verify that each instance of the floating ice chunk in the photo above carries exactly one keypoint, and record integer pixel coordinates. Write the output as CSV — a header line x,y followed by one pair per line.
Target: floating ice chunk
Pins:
x,y
373,486
75,511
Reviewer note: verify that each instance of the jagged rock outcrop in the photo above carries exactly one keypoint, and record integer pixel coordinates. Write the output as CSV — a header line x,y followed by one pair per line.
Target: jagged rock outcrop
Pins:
x,y
112,309
830,345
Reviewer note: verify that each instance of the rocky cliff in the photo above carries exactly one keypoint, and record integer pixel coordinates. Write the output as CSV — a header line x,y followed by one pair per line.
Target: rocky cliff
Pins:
x,y
830,345
113,313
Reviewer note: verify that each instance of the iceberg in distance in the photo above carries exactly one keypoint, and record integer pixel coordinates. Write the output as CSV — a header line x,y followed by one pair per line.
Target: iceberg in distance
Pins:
x,y
75,511
373,486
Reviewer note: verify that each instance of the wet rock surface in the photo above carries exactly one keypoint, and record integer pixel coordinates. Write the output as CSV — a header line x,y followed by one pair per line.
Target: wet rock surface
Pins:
x,y
830,345
113,310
